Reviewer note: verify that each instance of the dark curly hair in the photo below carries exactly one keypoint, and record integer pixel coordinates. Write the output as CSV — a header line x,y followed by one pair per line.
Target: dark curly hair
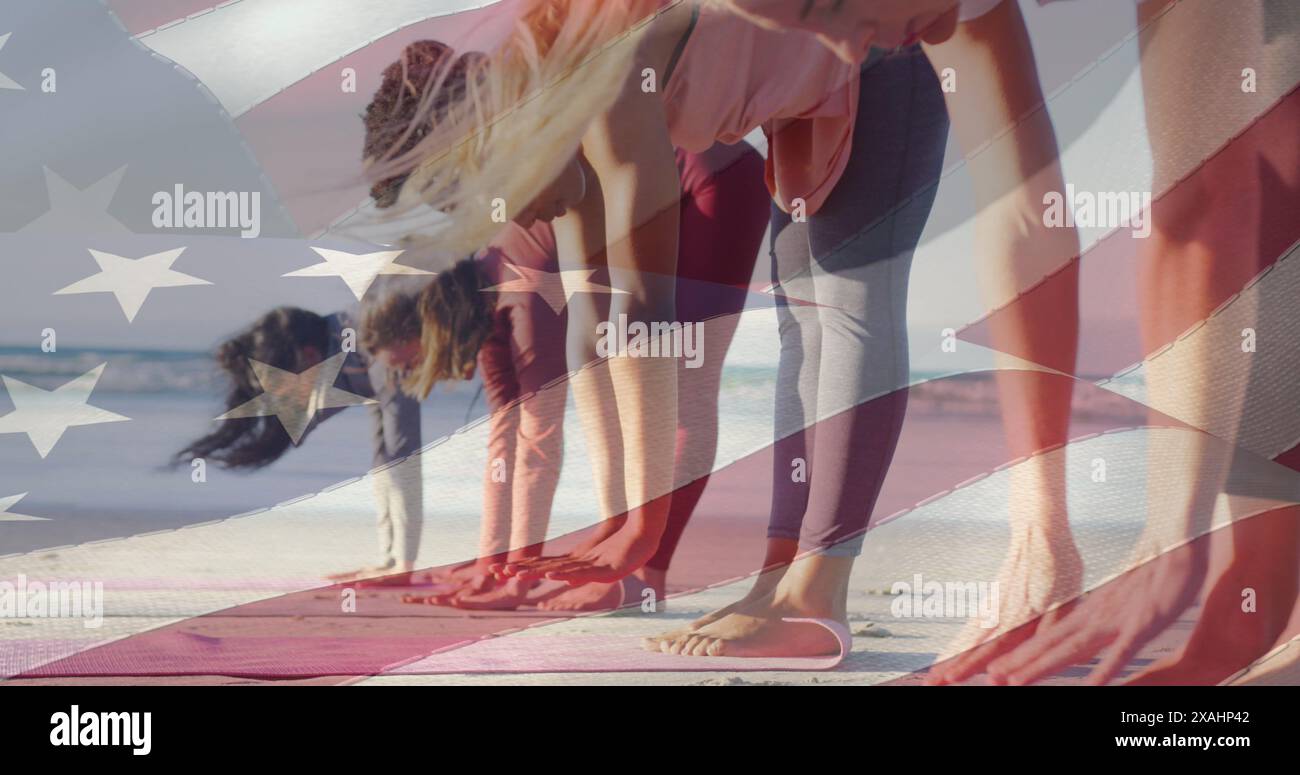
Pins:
x,y
277,339
390,114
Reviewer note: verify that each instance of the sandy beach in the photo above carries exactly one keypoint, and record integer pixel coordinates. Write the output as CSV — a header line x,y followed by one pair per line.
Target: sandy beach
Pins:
x,y
246,591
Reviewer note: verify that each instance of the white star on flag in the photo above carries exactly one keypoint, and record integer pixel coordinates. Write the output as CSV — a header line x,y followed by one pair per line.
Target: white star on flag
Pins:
x,y
5,81
131,279
44,415
357,270
296,398
79,210
555,288
7,516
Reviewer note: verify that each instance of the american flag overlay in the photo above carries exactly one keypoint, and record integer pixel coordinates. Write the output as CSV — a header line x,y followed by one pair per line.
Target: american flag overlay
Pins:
x,y
1090,465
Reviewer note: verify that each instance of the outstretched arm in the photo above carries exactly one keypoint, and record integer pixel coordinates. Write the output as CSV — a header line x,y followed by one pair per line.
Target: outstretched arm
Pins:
x,y
627,403
1000,120
1191,263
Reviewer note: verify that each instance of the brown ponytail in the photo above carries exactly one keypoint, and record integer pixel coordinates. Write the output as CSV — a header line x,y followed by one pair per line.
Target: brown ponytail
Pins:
x,y
277,339
456,317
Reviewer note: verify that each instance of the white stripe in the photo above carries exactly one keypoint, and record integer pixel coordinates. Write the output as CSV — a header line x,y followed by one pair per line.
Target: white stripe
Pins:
x,y
1257,404
249,51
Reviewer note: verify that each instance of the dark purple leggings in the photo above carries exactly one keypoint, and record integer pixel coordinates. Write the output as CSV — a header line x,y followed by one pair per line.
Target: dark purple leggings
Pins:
x,y
844,361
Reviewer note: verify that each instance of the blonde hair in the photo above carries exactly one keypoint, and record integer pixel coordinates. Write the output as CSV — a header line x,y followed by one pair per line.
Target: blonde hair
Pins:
x,y
455,318
391,321
516,119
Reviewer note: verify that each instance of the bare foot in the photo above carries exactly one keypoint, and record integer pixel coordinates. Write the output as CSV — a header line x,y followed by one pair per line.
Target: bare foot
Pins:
x,y
585,598
499,596
607,597
622,553
459,574
814,587
539,566
759,596
765,634
459,584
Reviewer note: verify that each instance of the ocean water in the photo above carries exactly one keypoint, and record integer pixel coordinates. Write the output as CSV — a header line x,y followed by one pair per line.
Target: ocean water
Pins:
x,y
114,479
122,469
111,480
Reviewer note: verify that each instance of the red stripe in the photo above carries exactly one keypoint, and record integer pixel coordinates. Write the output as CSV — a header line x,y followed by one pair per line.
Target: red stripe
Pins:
x,y
309,137
1249,231
1290,458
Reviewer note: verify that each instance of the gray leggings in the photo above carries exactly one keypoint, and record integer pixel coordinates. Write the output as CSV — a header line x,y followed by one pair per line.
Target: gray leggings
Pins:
x,y
840,402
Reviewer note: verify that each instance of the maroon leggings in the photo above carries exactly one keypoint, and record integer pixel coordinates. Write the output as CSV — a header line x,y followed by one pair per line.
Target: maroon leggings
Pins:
x,y
725,208
724,214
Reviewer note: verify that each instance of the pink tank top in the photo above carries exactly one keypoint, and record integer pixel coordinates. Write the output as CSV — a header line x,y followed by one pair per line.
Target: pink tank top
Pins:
x,y
527,332
734,76
533,248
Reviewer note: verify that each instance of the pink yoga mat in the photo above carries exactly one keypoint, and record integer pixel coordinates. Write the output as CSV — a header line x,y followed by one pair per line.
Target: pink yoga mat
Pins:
x,y
598,654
